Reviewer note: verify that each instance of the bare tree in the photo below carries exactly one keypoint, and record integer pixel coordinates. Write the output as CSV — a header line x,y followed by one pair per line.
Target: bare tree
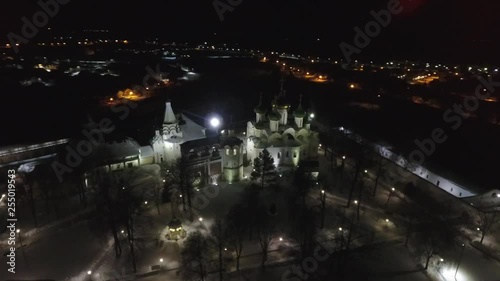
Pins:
x,y
172,174
264,233
236,227
304,230
106,188
195,257
381,165
218,233
438,236
486,221
361,162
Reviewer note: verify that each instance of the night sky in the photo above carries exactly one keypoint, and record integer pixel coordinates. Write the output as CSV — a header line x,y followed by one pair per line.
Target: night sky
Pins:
x,y
453,29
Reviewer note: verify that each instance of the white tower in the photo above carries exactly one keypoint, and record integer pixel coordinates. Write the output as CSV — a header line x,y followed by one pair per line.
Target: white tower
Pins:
x,y
280,104
171,126
260,111
274,119
299,114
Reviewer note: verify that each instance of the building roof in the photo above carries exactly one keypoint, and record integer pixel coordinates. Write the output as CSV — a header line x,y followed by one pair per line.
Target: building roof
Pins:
x,y
231,141
175,223
115,152
146,151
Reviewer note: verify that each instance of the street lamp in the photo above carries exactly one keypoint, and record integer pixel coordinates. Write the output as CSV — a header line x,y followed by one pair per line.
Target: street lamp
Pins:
x,y
200,219
281,238
342,165
89,272
459,260
161,260
323,203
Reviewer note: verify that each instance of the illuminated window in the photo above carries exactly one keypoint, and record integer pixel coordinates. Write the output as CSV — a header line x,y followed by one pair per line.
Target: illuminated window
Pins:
x,y
235,151
227,151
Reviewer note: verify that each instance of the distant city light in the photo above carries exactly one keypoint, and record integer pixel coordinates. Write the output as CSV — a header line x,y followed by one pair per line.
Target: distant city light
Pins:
x,y
89,272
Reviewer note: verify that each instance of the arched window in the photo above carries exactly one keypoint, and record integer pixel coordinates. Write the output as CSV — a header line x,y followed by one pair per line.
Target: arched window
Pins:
x,y
227,151
235,151
279,155
287,154
295,154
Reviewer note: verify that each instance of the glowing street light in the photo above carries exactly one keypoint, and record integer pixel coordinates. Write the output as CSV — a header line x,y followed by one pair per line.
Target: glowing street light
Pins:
x,y
161,260
215,122
281,238
89,272
311,115
200,219
343,157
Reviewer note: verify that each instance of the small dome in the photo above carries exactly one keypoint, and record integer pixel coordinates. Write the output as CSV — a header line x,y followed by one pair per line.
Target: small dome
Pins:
x,y
274,116
175,223
299,112
281,101
260,109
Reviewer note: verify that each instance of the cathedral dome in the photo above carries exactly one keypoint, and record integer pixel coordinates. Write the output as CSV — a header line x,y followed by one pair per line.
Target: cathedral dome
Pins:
x,y
274,116
299,112
281,102
260,109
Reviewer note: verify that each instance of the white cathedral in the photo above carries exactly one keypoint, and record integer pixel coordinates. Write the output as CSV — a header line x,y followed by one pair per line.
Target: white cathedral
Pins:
x,y
289,139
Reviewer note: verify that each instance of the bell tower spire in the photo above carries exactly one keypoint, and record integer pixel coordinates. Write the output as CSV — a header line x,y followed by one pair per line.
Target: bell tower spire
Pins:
x,y
282,88
299,114
260,111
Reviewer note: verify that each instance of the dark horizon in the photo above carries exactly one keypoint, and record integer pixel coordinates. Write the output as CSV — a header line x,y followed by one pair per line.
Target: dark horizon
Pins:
x,y
425,30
